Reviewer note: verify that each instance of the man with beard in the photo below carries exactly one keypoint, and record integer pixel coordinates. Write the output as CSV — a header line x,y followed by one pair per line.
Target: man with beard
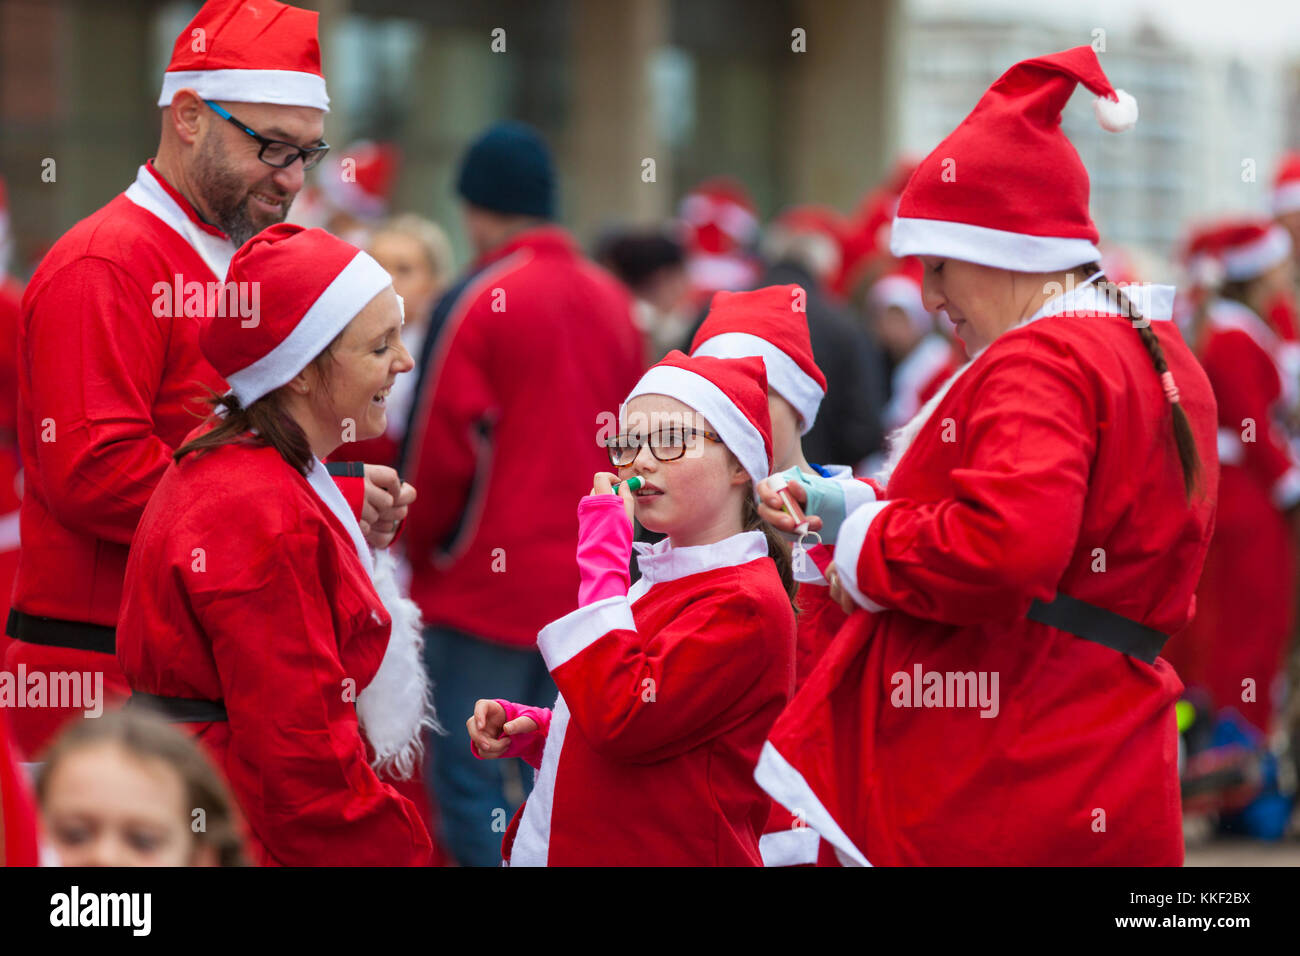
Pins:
x,y
110,373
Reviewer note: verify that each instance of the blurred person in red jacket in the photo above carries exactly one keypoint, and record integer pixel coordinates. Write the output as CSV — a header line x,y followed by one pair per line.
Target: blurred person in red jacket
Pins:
x,y
109,364
524,355
1245,602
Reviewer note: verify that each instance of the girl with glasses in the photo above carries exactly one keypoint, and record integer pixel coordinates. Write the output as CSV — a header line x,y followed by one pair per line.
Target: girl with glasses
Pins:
x,y
666,688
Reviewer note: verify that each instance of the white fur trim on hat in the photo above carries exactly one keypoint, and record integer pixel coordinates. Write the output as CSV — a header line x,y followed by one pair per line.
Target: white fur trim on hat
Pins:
x,y
783,373
1255,258
277,87
737,432
997,248
351,291
1116,115
1286,198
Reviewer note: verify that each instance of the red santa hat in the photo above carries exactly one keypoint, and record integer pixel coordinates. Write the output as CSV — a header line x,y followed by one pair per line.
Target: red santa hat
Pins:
x,y
730,392
770,324
900,288
249,51
310,285
1235,250
1286,185
366,193
1006,188
720,217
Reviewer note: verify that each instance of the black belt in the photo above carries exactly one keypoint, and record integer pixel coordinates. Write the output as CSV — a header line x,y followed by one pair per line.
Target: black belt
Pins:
x,y
53,632
180,710
1096,624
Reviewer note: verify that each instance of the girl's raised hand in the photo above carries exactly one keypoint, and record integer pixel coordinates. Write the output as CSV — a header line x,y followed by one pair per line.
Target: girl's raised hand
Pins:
x,y
489,732
602,483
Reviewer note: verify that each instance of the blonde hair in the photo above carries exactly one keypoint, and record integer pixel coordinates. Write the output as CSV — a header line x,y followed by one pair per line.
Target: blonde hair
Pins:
x,y
432,239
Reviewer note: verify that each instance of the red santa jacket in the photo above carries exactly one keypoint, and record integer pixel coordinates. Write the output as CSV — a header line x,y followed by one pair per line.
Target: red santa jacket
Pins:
x,y
110,380
534,348
245,588
943,726
665,697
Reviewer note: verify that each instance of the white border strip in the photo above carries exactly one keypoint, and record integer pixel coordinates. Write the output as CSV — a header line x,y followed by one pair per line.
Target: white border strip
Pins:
x,y
788,788
351,291
848,548
783,373
277,87
989,247
565,638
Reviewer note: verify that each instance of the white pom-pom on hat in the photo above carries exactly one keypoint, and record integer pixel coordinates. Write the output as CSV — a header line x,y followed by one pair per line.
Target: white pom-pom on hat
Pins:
x,y
1118,114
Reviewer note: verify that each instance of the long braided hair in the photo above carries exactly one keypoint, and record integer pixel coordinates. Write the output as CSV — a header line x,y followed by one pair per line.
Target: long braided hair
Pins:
x,y
1188,457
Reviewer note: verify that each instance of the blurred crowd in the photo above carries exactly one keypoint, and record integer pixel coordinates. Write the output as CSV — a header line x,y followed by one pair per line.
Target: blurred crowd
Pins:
x,y
116,790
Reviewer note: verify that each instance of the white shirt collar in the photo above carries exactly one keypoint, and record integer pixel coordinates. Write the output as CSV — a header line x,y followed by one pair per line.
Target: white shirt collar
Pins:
x,y
1153,302
661,562
148,194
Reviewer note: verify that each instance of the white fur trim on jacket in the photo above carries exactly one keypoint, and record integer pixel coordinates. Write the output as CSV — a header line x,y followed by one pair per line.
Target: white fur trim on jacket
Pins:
x,y
397,705
787,787
797,846
848,548
572,634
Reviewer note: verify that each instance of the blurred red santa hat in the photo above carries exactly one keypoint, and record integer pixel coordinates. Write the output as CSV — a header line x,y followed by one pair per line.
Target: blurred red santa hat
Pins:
x,y
1236,250
360,180
1286,185
900,288
309,284
1006,188
249,51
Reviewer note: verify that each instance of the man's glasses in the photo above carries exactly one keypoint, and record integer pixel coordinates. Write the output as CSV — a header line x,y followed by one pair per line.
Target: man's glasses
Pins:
x,y
667,444
276,152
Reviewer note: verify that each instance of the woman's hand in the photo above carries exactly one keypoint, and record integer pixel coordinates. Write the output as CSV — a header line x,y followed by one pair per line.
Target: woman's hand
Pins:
x,y
490,733
387,501
603,484
839,593
771,510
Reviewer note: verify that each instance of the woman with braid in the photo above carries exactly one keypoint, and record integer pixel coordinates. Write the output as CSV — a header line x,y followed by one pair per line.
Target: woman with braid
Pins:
x,y
997,696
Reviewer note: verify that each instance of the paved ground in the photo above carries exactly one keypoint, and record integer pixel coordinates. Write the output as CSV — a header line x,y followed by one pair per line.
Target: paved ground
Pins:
x,y
1244,853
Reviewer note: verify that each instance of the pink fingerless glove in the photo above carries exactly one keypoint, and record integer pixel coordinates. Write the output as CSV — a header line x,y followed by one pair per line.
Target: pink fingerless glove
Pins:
x,y
604,548
526,746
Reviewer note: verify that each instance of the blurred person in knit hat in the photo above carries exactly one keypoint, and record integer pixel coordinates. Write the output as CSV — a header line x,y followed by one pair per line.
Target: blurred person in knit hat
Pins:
x,y
652,264
109,363
522,357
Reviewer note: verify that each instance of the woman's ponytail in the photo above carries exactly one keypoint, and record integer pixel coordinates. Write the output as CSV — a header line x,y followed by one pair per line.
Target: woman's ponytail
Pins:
x,y
778,548
1185,442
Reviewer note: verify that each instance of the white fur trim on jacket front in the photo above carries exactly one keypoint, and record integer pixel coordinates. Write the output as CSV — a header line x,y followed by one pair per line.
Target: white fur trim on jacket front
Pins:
x,y
397,705
787,787
848,548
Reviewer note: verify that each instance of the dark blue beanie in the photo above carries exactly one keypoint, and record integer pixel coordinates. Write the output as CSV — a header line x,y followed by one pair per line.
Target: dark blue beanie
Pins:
x,y
508,169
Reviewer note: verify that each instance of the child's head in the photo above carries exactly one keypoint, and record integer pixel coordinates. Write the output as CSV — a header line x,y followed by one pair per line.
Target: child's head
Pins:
x,y
127,789
695,498
771,323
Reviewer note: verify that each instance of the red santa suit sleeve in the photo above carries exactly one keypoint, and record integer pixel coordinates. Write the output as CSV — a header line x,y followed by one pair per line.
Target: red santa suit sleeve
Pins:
x,y
105,459
982,555
296,758
611,675
1247,388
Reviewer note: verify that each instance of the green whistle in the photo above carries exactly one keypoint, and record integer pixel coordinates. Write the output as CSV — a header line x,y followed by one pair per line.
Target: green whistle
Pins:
x,y
635,483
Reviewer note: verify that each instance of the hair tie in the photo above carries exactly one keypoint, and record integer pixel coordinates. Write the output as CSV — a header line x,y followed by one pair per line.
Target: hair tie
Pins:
x,y
1171,390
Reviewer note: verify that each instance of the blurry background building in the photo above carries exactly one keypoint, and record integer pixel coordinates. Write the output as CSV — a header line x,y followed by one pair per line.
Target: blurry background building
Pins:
x,y
698,87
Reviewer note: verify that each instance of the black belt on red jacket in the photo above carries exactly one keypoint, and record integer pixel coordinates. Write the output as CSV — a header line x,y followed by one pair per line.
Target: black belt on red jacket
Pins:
x,y
1096,624
53,632
180,710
